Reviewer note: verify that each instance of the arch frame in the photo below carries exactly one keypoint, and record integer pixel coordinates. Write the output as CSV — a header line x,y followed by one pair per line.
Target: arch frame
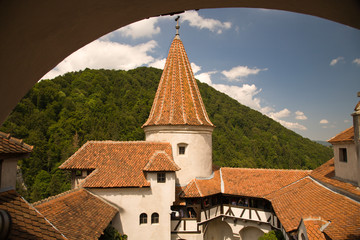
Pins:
x,y
39,34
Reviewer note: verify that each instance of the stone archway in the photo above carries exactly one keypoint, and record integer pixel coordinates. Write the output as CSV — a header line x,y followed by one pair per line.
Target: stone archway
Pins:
x,y
250,233
218,230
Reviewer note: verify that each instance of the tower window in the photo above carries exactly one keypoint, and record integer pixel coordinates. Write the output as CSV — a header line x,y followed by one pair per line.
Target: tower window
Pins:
x,y
161,177
154,218
342,155
181,150
143,218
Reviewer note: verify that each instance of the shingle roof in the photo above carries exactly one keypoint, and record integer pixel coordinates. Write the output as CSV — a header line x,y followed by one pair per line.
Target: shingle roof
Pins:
x,y
344,136
27,222
258,182
203,187
313,228
116,164
243,181
326,173
160,161
11,145
178,100
78,214
308,198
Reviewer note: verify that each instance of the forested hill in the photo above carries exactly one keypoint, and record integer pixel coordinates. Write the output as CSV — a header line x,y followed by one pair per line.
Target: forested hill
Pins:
x,y
58,116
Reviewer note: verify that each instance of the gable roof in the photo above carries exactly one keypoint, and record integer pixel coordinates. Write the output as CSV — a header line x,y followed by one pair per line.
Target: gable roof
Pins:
x,y
309,198
13,146
26,221
116,164
344,136
78,214
178,100
161,162
243,181
326,175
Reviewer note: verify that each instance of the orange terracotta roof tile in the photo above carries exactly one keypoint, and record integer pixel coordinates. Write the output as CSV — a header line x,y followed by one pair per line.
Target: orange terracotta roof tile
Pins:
x,y
309,198
10,145
326,173
116,164
203,187
78,214
178,100
344,136
160,161
313,228
27,222
258,182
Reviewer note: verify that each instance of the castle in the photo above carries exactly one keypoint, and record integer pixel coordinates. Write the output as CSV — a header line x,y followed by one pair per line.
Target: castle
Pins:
x,y
167,188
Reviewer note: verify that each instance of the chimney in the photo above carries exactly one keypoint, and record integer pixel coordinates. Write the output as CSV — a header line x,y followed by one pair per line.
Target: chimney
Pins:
x,y
356,124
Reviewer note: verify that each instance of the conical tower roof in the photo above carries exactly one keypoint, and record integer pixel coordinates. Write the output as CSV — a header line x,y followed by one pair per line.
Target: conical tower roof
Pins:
x,y
178,100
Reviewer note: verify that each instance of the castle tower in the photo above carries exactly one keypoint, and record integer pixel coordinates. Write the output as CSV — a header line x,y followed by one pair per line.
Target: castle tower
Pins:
x,y
178,116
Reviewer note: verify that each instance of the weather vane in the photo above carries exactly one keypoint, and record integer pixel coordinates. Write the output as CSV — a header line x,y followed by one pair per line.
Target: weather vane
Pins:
x,y
177,25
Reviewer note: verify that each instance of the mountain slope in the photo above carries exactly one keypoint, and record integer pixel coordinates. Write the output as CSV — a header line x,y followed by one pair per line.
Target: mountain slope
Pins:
x,y
58,116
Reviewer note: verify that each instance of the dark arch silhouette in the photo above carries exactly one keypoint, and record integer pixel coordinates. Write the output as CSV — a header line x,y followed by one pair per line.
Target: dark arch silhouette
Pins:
x,y
37,35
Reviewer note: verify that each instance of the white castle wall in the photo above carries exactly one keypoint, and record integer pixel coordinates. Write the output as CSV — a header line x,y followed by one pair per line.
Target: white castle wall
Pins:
x,y
346,170
134,201
197,160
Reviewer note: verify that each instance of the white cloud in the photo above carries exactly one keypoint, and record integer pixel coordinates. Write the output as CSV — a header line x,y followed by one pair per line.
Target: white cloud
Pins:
x,y
195,20
357,61
324,121
336,60
346,121
195,68
142,29
238,72
205,77
300,115
159,63
281,114
247,95
244,94
291,125
109,55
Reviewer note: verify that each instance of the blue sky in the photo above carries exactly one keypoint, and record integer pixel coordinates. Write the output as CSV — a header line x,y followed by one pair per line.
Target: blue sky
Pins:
x,y
300,70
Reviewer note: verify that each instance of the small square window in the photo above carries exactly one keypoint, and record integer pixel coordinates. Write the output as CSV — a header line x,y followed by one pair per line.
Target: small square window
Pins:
x,y
342,155
161,177
181,150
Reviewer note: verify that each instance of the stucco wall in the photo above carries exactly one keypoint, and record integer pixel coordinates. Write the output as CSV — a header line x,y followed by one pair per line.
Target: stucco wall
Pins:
x,y
346,170
134,201
197,160
8,173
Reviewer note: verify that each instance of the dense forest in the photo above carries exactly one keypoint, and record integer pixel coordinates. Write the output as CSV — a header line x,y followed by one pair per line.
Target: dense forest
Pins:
x,y
58,116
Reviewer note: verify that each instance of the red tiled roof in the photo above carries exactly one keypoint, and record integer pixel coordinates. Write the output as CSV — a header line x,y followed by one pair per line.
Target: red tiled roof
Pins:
x,y
78,213
116,164
27,222
11,145
203,187
161,162
308,198
178,100
313,229
326,173
258,182
344,136
243,181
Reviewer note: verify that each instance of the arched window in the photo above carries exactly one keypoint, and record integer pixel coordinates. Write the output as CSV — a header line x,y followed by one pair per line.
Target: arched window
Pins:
x,y
154,218
143,218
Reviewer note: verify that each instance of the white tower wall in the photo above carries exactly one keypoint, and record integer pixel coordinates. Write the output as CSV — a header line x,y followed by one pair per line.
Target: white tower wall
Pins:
x,y
197,140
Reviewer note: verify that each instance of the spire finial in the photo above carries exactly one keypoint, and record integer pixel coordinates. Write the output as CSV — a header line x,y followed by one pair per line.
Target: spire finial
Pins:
x,y
177,27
